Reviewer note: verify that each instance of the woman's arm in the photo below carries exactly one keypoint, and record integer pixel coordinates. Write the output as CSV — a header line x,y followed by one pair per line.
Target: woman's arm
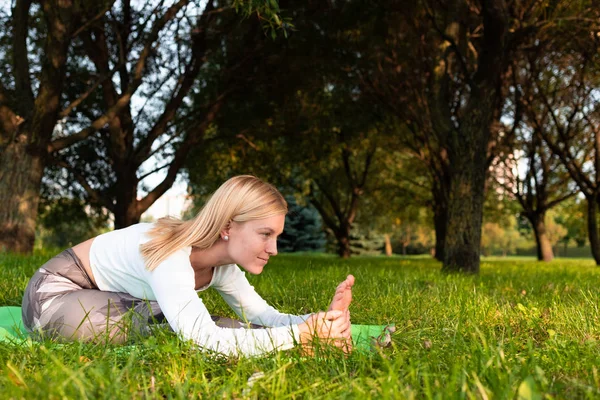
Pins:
x,y
249,305
331,327
173,285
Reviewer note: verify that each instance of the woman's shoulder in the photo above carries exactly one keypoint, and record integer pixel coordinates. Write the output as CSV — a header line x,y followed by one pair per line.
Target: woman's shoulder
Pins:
x,y
227,273
176,267
139,229
143,229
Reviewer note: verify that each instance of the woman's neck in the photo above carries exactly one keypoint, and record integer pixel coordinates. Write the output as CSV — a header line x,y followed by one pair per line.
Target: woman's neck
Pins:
x,y
212,257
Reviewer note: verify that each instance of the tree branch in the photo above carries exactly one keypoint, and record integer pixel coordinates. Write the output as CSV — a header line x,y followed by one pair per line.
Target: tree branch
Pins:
x,y
324,215
459,55
93,194
185,84
91,21
334,204
560,199
67,110
194,136
155,170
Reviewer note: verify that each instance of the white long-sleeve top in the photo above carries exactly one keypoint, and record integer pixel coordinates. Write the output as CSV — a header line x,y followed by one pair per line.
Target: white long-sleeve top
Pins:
x,y
118,266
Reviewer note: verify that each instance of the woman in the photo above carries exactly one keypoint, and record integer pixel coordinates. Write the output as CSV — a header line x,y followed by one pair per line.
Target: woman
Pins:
x,y
119,282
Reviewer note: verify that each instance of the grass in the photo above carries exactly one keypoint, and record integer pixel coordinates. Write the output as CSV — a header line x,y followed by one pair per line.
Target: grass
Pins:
x,y
521,329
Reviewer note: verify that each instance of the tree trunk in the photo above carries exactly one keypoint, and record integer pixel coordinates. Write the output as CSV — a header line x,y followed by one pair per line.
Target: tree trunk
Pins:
x,y
544,247
24,143
440,219
20,180
593,228
439,194
126,211
388,245
344,246
467,144
126,215
465,204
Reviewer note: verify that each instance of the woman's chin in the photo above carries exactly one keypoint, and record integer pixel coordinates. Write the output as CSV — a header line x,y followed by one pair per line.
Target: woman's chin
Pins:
x,y
255,269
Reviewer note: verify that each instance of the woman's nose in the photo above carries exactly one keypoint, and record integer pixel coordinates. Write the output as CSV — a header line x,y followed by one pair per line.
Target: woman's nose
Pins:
x,y
272,248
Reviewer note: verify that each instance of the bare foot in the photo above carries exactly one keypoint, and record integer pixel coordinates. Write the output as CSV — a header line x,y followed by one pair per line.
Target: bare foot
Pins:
x,y
343,295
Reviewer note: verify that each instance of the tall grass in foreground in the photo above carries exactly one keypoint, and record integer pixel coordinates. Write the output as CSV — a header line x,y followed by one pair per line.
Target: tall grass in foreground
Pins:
x,y
521,329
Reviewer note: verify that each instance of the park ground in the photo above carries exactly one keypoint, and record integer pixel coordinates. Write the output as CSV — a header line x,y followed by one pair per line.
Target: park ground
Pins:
x,y
520,329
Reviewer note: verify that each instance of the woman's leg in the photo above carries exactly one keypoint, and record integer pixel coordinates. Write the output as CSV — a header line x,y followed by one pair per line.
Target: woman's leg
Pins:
x,y
62,303
94,315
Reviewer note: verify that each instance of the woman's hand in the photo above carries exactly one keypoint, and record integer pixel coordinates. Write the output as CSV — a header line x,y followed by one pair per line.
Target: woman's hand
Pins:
x,y
331,327
343,295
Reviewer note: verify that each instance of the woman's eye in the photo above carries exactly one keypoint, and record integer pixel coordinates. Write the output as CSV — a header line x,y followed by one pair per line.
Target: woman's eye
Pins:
x,y
267,234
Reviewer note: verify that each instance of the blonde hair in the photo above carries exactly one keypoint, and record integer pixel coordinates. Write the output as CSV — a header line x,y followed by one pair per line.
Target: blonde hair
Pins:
x,y
241,198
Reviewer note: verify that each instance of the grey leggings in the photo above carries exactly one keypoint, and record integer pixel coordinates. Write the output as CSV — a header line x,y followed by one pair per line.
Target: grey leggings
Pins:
x,y
62,303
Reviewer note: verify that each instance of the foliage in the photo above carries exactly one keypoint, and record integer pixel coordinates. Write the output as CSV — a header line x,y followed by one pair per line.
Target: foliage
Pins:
x,y
365,242
497,239
413,237
303,229
519,327
504,238
163,88
304,124
561,105
370,118
104,89
66,222
556,232
572,215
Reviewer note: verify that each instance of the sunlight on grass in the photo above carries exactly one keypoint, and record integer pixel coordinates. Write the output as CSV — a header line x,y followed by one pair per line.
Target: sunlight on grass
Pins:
x,y
521,329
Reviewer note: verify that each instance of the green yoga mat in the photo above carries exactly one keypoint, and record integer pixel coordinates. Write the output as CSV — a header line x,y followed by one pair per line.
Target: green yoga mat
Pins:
x,y
364,337
11,324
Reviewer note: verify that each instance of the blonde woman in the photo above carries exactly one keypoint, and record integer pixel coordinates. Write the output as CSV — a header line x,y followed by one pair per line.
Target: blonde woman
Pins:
x,y
122,281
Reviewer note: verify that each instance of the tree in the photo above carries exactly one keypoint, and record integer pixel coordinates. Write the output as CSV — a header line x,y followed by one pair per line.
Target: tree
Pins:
x,y
64,222
563,107
572,215
183,89
303,229
413,234
31,87
365,242
125,137
33,98
447,87
304,126
555,231
444,69
535,178
498,239
319,154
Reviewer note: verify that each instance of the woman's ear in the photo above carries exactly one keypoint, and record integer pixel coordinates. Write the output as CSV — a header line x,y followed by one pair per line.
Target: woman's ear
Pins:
x,y
225,231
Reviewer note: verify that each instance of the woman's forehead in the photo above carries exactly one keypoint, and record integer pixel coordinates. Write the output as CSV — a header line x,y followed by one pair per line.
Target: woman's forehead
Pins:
x,y
274,223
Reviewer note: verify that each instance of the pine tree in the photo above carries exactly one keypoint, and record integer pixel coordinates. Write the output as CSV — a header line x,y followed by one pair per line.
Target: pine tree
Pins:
x,y
303,229
366,242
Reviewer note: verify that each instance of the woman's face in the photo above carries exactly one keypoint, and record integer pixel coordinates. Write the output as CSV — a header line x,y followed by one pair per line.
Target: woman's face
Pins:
x,y
251,243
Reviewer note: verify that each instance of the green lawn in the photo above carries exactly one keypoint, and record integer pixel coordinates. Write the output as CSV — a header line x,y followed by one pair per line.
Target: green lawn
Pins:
x,y
519,329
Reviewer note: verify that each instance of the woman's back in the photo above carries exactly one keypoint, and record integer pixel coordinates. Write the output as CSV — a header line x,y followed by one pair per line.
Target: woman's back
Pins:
x,y
117,264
